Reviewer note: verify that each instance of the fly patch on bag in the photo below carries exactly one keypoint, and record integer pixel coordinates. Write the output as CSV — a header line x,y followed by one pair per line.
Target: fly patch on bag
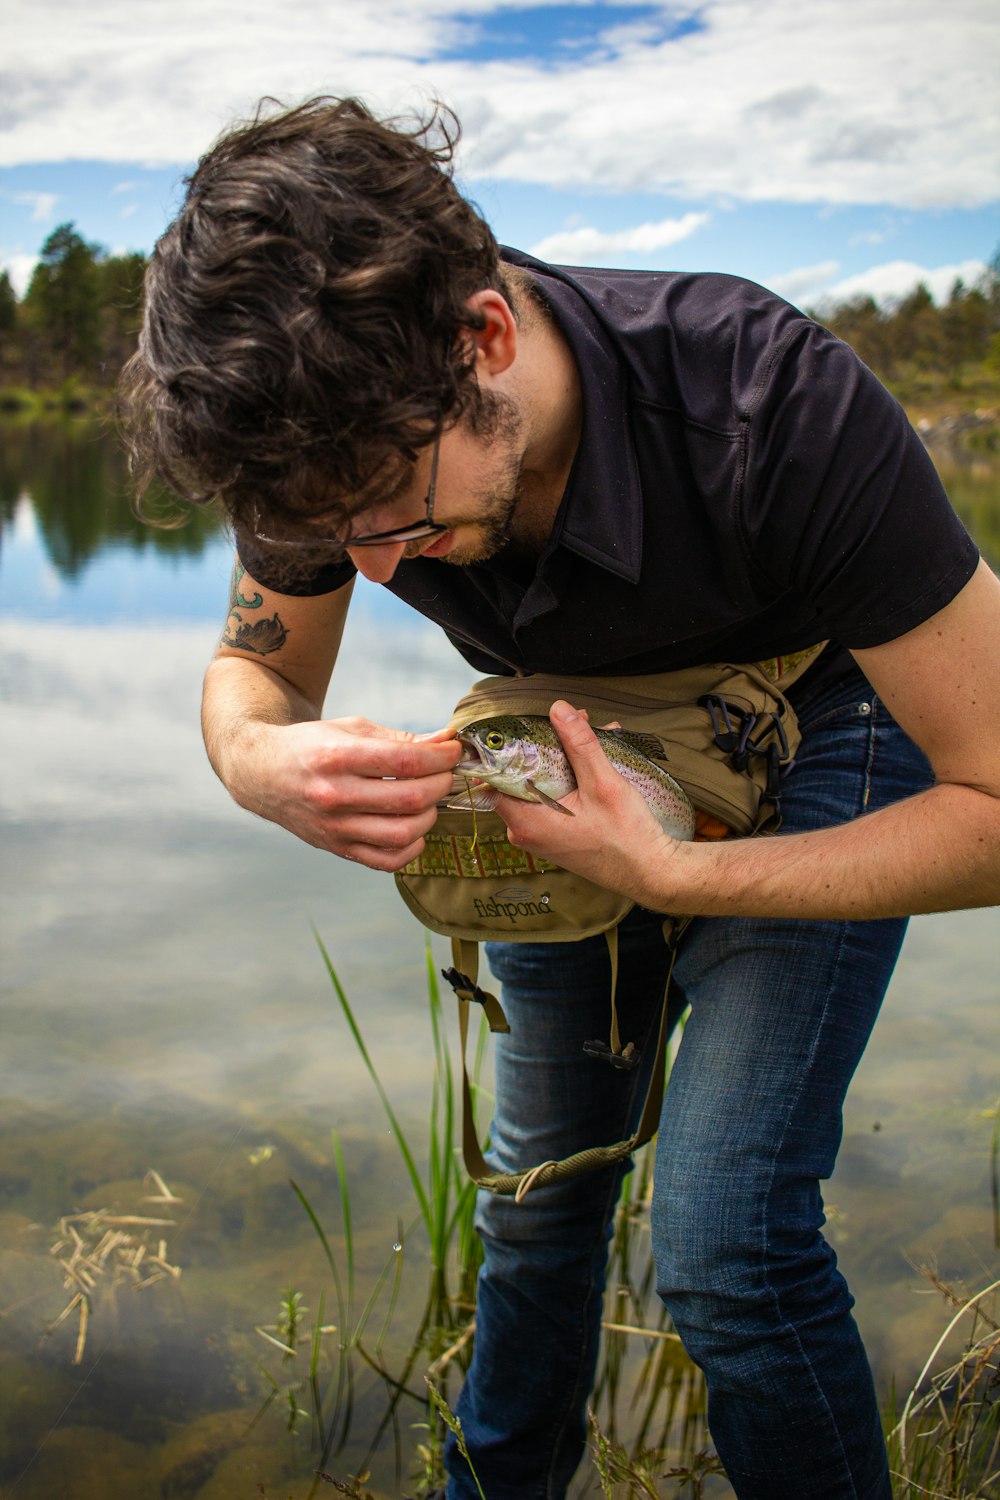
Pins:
x,y
471,881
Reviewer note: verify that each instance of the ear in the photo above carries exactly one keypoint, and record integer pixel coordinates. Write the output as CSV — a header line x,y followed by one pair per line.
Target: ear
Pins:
x,y
496,341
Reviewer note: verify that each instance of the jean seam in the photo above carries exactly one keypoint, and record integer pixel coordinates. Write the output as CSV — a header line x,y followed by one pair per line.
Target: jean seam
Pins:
x,y
773,1291
848,711
870,759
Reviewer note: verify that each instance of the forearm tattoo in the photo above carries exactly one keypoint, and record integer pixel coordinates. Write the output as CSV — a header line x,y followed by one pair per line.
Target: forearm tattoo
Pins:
x,y
258,636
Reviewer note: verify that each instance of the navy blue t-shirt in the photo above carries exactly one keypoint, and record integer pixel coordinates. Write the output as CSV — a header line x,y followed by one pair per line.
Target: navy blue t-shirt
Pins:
x,y
743,488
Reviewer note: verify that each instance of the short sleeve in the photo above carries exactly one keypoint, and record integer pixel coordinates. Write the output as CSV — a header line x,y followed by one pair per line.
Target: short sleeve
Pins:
x,y
290,575
842,504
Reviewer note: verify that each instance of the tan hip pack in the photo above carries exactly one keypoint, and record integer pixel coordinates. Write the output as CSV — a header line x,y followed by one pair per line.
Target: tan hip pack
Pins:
x,y
727,734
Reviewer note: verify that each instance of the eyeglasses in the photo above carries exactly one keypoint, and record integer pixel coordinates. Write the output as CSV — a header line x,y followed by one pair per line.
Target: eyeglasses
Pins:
x,y
417,529
415,532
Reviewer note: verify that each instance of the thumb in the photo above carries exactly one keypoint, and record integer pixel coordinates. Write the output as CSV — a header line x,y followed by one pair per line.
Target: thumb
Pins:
x,y
578,739
384,732
438,735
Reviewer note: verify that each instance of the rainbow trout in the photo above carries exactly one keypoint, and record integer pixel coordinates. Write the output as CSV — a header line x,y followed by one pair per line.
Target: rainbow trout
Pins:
x,y
521,756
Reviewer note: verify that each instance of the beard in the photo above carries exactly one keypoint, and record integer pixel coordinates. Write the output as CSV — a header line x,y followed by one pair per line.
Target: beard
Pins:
x,y
495,519
497,422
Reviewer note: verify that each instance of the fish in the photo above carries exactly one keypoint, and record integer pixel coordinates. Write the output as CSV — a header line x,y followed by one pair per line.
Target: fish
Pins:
x,y
520,755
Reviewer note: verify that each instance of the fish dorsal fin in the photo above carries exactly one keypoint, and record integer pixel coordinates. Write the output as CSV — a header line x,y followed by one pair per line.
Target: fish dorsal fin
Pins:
x,y
649,745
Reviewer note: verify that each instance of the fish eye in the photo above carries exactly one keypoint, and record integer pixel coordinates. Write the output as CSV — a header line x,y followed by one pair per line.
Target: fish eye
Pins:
x,y
493,739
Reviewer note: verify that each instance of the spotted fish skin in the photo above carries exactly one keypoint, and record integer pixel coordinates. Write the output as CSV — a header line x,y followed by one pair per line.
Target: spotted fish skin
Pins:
x,y
521,756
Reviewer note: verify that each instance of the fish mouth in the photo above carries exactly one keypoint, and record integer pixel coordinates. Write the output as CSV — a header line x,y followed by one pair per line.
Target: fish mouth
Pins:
x,y
476,760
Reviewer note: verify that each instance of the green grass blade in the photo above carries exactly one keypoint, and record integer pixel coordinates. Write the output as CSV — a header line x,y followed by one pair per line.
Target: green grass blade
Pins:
x,y
331,1262
442,1129
345,1373
345,1209
366,1311
995,1172
454,1426
317,1334
411,1166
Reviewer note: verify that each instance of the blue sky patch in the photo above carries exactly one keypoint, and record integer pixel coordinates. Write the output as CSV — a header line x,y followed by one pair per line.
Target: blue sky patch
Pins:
x,y
550,34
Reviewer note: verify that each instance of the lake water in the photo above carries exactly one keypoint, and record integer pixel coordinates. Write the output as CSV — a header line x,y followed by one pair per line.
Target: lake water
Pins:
x,y
166,1009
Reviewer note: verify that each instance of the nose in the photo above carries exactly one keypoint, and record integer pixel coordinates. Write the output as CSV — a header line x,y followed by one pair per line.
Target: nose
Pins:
x,y
377,564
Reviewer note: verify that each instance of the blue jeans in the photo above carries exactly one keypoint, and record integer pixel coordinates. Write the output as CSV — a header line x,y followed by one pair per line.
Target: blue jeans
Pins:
x,y
781,1011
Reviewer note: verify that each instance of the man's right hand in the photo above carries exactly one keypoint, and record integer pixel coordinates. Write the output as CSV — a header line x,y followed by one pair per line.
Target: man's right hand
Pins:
x,y
350,786
353,787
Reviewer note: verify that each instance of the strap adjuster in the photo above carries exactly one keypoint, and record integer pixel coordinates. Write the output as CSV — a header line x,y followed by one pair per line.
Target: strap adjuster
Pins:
x,y
467,989
625,1060
464,987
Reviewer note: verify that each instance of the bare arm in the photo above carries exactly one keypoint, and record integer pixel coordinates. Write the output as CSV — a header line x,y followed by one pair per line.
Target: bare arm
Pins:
x,y
358,789
936,851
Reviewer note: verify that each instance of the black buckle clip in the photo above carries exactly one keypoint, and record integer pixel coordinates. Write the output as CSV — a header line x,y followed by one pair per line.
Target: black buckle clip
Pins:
x,y
776,751
624,1060
741,735
464,987
726,734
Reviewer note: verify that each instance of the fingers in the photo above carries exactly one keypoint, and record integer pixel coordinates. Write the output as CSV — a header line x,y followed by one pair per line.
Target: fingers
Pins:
x,y
437,735
387,835
391,797
578,740
381,841
386,860
368,727
380,790
379,823
373,755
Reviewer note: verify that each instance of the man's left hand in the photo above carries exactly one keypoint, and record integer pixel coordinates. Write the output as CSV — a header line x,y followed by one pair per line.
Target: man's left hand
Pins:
x,y
612,838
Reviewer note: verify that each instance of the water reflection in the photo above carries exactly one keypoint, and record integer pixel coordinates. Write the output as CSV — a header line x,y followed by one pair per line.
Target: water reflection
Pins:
x,y
165,1007
973,485
76,476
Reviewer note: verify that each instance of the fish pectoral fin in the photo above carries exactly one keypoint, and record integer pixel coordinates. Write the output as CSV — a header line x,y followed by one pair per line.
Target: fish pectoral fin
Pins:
x,y
474,797
540,796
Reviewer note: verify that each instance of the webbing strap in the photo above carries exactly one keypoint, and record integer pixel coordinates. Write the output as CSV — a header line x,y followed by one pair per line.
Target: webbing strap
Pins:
x,y
466,959
611,938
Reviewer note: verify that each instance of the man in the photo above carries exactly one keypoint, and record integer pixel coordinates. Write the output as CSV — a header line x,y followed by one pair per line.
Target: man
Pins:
x,y
613,472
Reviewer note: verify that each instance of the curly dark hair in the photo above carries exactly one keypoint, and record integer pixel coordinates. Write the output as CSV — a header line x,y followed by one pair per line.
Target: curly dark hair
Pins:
x,y
305,328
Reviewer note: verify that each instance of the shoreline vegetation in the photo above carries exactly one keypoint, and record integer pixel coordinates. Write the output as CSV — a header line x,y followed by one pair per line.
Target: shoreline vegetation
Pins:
x,y
63,343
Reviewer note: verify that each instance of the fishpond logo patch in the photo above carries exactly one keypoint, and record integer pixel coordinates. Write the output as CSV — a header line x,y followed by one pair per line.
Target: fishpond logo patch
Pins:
x,y
515,902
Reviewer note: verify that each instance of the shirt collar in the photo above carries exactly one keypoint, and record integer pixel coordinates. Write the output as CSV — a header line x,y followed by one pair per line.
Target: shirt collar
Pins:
x,y
600,517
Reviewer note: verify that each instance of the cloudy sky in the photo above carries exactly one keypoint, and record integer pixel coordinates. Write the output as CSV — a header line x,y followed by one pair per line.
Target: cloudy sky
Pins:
x,y
822,148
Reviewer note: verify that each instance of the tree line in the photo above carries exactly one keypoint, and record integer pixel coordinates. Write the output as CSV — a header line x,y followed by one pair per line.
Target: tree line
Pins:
x,y
77,323
916,335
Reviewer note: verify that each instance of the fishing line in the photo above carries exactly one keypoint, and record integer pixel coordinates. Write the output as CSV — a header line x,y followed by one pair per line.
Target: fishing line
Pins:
x,y
475,820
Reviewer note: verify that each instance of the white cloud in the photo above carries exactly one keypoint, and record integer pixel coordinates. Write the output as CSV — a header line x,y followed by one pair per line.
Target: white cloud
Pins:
x,y
878,102
97,715
896,278
814,286
18,267
870,237
588,246
42,205
802,284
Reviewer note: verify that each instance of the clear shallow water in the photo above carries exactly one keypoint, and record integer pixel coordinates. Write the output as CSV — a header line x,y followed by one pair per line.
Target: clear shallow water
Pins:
x,y
165,1006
